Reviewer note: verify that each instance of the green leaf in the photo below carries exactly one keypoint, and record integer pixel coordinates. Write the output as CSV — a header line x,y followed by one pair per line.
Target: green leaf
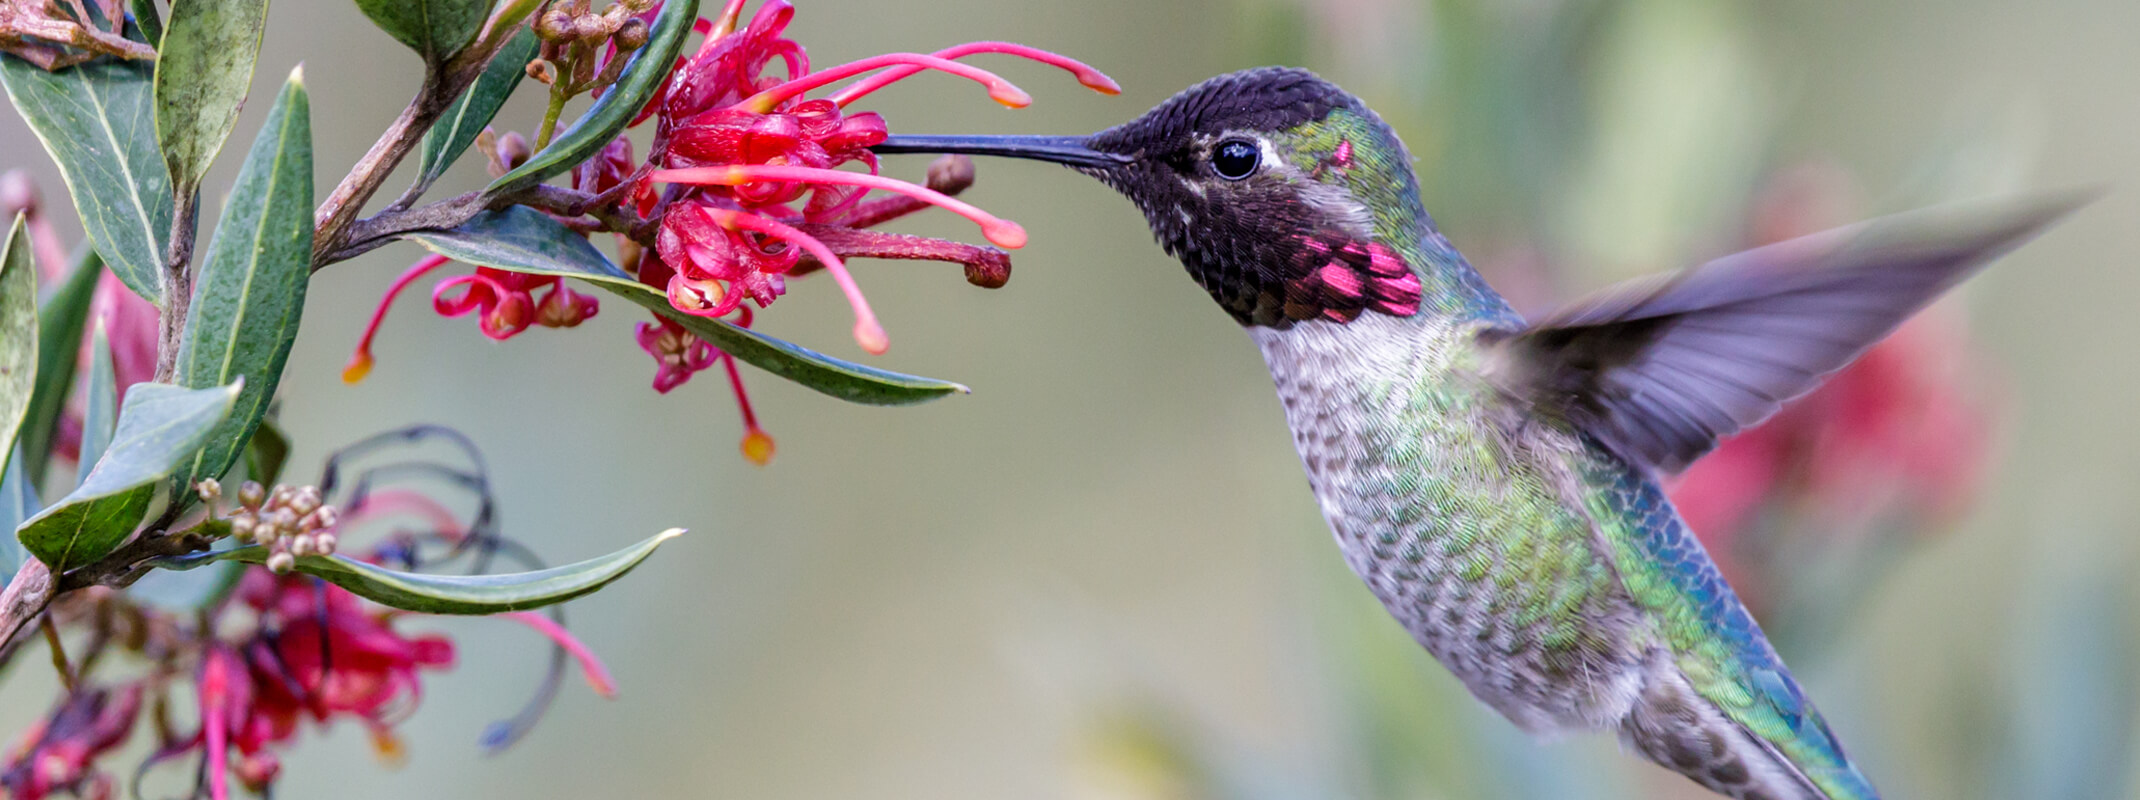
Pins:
x,y
643,74
846,380
160,427
520,239
203,70
252,284
100,409
145,16
457,129
435,29
59,342
18,333
18,500
268,451
451,594
97,122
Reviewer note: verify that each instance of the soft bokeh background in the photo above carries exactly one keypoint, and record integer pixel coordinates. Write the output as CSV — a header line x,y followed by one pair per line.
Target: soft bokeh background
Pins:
x,y
1101,574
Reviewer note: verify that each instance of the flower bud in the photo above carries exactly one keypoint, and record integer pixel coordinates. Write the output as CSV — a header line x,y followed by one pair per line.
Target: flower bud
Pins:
x,y
209,489
513,149
592,28
632,35
325,543
301,544
555,25
281,563
326,517
250,495
305,500
264,535
241,525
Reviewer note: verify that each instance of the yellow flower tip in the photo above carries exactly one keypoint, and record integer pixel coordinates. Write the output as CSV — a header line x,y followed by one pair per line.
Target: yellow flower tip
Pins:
x,y
758,447
360,365
1004,233
871,337
388,748
1010,96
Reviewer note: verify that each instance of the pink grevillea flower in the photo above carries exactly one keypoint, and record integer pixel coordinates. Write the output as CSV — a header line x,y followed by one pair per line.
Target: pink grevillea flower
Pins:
x,y
678,355
505,304
744,149
320,653
763,183
58,754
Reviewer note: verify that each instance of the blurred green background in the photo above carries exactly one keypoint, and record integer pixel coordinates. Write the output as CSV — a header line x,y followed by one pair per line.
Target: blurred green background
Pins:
x,y
1101,574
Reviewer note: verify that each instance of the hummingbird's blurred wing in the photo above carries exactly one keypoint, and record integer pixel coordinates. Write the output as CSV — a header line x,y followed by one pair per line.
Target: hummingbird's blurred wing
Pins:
x,y
1660,369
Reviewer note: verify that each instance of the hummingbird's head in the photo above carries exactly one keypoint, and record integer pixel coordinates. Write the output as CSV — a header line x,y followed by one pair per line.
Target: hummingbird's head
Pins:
x,y
1282,194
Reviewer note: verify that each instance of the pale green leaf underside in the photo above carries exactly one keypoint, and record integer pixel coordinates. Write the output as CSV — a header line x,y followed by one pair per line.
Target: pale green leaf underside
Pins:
x,y
453,594
160,428
203,69
97,121
18,335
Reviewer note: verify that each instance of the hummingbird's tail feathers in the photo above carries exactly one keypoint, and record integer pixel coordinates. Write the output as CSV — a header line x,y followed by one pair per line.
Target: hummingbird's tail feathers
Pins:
x,y
1677,728
1663,368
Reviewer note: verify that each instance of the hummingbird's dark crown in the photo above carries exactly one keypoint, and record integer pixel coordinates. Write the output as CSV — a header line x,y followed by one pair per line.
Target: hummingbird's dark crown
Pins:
x,y
1262,99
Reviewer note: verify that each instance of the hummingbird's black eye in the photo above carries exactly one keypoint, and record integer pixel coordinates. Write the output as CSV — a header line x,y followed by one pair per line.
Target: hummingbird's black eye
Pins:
x,y
1235,159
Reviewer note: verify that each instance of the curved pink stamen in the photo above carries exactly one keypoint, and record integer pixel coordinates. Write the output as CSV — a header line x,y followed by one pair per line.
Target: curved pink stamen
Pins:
x,y
1091,78
723,26
868,332
388,503
467,303
999,90
215,698
597,675
360,362
1002,232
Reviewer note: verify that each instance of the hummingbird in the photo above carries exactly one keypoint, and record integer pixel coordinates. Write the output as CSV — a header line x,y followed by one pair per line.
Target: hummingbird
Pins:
x,y
1495,480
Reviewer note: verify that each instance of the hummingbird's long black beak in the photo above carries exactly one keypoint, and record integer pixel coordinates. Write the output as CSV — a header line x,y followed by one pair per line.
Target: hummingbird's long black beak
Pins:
x,y
1074,151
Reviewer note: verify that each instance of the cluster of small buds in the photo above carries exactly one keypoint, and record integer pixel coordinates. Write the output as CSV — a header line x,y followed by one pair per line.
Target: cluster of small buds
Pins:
x,y
291,521
571,31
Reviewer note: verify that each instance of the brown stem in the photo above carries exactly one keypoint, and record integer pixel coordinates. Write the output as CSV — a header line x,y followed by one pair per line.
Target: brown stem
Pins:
x,y
26,596
442,85
177,285
59,651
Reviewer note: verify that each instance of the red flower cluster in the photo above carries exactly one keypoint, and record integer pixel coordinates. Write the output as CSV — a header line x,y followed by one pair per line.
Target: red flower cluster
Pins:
x,y
59,754
755,195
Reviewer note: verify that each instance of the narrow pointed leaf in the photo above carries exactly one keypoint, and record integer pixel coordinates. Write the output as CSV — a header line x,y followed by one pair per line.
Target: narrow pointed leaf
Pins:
x,y
452,594
203,70
435,29
252,283
98,123
457,129
18,500
146,16
18,334
520,239
59,342
160,428
100,408
643,74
